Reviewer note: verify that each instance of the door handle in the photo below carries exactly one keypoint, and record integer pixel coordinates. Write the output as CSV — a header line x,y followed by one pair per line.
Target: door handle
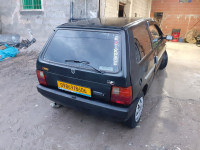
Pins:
x,y
155,60
140,82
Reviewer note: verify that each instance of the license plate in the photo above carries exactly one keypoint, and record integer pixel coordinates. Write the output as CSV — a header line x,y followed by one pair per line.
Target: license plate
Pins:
x,y
74,88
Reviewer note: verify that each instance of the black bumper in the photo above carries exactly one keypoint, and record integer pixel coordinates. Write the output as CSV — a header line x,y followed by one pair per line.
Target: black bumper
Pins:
x,y
107,110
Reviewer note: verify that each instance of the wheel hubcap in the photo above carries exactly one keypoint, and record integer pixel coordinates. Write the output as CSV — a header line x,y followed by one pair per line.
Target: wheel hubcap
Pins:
x,y
139,108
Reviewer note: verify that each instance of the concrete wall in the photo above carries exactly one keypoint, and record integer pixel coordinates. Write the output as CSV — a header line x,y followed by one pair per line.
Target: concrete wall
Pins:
x,y
139,8
0,26
86,8
184,16
42,23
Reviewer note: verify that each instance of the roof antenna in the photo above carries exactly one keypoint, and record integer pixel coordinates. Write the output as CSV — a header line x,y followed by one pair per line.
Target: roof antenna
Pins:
x,y
71,10
85,8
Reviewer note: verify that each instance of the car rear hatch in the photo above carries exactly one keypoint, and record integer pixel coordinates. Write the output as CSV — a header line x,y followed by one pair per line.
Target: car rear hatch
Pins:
x,y
84,62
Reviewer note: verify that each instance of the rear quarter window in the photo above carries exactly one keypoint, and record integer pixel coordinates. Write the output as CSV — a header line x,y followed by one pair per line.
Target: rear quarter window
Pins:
x,y
141,40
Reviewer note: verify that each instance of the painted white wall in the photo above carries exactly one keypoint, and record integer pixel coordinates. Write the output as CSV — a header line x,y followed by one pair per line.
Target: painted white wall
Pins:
x,y
109,8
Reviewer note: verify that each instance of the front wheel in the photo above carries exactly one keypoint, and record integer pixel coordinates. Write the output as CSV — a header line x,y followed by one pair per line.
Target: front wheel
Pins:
x,y
164,61
135,117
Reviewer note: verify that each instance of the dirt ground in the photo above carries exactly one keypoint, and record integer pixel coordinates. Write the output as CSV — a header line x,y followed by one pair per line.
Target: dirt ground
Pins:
x,y
171,118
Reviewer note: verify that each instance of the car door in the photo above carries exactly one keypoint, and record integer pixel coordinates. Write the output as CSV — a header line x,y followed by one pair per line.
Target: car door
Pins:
x,y
143,67
158,42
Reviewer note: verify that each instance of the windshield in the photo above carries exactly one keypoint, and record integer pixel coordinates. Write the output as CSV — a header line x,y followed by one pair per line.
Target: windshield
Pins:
x,y
101,49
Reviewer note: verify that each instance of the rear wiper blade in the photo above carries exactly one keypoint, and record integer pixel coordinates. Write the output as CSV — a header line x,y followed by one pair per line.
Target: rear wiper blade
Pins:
x,y
97,70
85,63
77,61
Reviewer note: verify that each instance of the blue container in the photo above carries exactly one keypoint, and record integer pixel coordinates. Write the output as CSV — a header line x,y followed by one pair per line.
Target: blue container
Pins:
x,y
180,39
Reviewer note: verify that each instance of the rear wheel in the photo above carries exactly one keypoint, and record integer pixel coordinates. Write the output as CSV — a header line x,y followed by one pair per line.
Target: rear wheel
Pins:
x,y
164,61
135,117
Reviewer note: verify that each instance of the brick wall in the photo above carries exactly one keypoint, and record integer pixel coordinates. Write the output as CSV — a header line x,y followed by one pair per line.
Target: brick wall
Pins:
x,y
177,15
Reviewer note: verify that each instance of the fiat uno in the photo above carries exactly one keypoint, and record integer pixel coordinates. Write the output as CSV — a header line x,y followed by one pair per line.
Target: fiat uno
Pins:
x,y
102,66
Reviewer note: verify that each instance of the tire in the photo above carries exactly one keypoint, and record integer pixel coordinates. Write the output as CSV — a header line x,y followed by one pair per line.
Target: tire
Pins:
x,y
135,117
164,61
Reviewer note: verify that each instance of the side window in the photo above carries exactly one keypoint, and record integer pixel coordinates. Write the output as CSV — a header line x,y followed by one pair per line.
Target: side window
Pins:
x,y
155,35
138,53
142,41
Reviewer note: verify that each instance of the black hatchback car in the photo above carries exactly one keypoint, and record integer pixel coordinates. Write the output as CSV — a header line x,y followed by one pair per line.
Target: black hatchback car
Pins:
x,y
102,66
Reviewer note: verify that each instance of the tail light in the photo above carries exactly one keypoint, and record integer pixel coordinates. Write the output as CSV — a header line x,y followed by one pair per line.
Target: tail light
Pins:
x,y
41,77
121,95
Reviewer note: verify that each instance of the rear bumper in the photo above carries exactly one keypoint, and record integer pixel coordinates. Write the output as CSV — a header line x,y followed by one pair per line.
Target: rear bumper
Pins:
x,y
107,110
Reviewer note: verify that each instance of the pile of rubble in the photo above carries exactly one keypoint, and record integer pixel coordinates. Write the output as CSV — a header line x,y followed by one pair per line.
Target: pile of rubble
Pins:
x,y
10,45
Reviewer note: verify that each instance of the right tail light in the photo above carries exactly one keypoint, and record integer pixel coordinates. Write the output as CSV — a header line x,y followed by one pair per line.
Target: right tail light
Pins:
x,y
121,95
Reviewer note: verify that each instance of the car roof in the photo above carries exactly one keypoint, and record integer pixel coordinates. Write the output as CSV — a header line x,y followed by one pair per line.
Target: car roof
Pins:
x,y
109,23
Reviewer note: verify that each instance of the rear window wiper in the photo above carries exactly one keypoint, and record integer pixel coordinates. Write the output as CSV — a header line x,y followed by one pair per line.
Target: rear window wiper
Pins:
x,y
87,63
76,61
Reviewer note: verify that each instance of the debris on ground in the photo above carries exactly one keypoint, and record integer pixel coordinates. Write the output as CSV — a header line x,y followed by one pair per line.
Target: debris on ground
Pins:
x,y
9,51
138,126
25,43
198,40
14,40
55,105
190,36
9,39
10,45
2,47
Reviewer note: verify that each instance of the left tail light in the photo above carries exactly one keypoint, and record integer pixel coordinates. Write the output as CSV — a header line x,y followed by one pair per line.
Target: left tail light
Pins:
x,y
41,77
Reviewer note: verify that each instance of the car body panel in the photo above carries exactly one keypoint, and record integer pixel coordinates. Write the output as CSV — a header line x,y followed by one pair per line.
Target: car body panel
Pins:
x,y
114,112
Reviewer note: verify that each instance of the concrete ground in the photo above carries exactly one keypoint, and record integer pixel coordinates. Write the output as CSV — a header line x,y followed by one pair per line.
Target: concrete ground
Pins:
x,y
171,118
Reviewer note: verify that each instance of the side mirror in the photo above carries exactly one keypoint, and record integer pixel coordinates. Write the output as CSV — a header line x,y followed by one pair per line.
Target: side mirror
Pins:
x,y
156,60
168,37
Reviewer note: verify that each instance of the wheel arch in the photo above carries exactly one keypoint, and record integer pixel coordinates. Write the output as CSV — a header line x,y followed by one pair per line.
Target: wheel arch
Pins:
x,y
145,88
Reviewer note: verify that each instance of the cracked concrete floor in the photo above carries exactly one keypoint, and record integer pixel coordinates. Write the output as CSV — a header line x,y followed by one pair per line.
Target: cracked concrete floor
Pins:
x,y
170,120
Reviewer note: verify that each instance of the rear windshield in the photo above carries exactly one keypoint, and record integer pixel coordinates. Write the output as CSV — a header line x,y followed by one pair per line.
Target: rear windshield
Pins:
x,y
101,49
